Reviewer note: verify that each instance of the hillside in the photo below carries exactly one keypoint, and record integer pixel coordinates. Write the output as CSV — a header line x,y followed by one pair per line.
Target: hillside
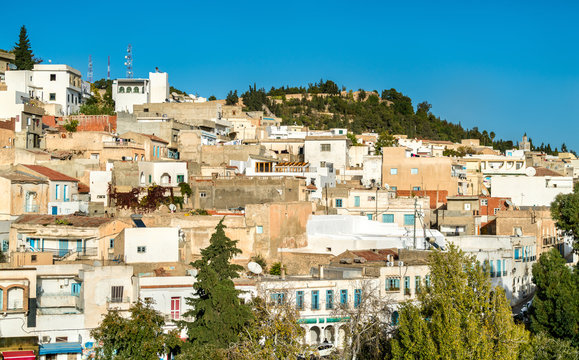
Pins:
x,y
324,105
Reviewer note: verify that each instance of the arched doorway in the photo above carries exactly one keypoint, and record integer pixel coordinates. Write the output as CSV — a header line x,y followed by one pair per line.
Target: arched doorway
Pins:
x,y
315,335
330,334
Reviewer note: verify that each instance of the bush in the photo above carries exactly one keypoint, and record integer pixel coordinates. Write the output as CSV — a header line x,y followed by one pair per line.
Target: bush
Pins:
x,y
275,269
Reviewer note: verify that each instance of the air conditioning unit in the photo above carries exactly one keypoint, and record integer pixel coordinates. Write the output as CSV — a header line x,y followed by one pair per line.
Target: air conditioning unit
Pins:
x,y
390,264
46,339
400,263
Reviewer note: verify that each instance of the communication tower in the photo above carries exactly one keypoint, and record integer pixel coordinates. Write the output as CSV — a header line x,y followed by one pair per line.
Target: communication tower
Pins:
x,y
89,75
129,62
109,68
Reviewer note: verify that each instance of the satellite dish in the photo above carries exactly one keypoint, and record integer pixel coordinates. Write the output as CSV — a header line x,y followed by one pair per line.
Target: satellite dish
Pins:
x,y
509,203
519,232
254,268
386,187
172,207
485,192
530,171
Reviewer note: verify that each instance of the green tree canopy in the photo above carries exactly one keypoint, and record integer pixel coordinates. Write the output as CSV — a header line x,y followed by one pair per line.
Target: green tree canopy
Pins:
x,y
555,308
218,313
565,210
385,139
23,57
461,316
139,337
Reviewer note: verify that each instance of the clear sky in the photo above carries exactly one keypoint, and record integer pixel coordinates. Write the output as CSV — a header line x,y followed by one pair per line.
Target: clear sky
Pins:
x,y
511,67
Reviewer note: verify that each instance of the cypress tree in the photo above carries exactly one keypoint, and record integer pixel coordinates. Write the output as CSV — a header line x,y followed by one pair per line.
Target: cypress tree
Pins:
x,y
24,58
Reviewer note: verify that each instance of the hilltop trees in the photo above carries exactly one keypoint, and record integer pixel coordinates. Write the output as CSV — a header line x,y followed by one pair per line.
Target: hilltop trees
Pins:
x,y
565,210
24,58
99,104
461,316
218,314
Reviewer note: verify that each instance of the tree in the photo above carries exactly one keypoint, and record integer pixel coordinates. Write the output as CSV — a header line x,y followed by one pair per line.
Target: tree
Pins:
x,y
23,57
353,139
275,269
543,347
99,104
232,98
71,125
555,308
565,211
139,337
461,316
274,333
212,98
385,139
218,313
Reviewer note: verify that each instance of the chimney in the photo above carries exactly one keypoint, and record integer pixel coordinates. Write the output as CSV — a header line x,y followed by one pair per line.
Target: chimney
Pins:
x,y
321,271
283,272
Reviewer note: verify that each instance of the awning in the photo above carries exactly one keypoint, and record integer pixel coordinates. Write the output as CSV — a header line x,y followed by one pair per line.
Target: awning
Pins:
x,y
60,348
19,355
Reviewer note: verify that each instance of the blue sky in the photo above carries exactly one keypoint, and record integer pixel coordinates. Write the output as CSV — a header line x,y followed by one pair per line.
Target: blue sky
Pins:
x,y
510,67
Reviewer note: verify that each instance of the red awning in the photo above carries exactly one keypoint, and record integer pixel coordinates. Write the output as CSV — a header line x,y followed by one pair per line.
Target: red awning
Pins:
x,y
19,355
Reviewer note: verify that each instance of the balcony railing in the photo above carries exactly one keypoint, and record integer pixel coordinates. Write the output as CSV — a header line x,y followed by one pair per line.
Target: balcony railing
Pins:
x,y
122,144
118,300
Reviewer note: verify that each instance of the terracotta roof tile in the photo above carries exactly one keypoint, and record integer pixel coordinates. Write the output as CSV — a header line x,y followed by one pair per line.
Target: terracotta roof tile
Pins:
x,y
83,188
50,174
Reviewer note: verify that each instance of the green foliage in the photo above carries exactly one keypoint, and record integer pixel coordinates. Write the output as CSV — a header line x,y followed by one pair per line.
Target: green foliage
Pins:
x,y
260,260
198,212
274,333
211,98
275,269
185,189
565,210
23,57
217,311
255,99
543,347
555,308
177,91
71,125
139,337
232,98
461,316
62,222
459,152
353,139
99,104
385,139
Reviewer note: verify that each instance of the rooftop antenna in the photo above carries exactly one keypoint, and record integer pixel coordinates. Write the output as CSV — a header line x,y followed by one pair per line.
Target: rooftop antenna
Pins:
x,y
109,67
129,62
89,75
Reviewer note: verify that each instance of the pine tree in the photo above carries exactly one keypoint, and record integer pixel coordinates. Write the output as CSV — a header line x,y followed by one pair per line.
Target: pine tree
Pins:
x,y
24,58
218,313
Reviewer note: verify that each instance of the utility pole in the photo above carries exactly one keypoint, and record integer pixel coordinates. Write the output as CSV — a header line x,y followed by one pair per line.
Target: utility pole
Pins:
x,y
377,188
326,198
415,213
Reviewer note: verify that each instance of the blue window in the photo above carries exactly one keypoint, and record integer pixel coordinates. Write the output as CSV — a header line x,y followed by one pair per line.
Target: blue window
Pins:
x,y
369,216
417,283
299,300
75,289
416,188
1,299
111,243
5,246
504,268
498,268
427,280
492,268
329,299
517,253
393,284
65,194
277,298
150,179
315,299
259,229
356,201
407,285
393,171
414,171
394,318
79,246
338,203
408,219
388,218
344,297
57,190
357,297
394,188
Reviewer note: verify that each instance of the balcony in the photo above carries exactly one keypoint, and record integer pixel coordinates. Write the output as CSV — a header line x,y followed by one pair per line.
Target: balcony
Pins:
x,y
122,144
116,303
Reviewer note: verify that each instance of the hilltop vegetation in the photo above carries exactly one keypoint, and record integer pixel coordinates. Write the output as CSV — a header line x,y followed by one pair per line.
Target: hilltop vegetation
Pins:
x,y
322,106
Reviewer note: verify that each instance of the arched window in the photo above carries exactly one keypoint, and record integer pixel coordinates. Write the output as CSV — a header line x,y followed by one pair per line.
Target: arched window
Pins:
x,y
1,299
394,318
136,90
165,179
121,89
142,177
15,298
129,89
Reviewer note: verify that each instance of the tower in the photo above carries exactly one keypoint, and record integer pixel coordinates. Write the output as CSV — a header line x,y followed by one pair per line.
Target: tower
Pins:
x,y
109,68
129,62
89,75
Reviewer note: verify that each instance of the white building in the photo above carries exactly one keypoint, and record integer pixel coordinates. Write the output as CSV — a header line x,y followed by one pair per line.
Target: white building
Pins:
x,y
531,190
372,170
148,245
99,186
164,173
129,92
327,152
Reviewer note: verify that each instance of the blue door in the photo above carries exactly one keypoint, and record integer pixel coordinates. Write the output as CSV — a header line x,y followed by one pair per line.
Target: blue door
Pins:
x,y
55,210
63,247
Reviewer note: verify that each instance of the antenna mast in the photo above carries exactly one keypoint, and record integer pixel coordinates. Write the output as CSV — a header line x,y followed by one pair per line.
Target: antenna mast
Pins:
x,y
109,68
89,75
129,61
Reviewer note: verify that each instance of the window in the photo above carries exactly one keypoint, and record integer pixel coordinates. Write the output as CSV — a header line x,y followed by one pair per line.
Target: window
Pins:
x,y
116,294
136,90
484,202
300,300
315,299
394,188
504,268
278,298
79,245
407,285
33,258
416,188
356,201
65,193
322,164
357,297
417,283
369,216
202,194
496,210
121,89
371,198
392,284
492,267
388,218
75,289
180,178
393,171
394,318
52,97
5,245
408,219
175,307
57,190
338,203
259,229
150,179
414,171
326,147
518,253
498,268
141,249
52,77
111,243
344,297
427,280
15,298
466,207
329,299
129,89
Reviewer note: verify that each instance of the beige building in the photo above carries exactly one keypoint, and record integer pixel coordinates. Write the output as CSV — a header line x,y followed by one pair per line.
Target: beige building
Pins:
x,y
154,146
401,172
22,194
